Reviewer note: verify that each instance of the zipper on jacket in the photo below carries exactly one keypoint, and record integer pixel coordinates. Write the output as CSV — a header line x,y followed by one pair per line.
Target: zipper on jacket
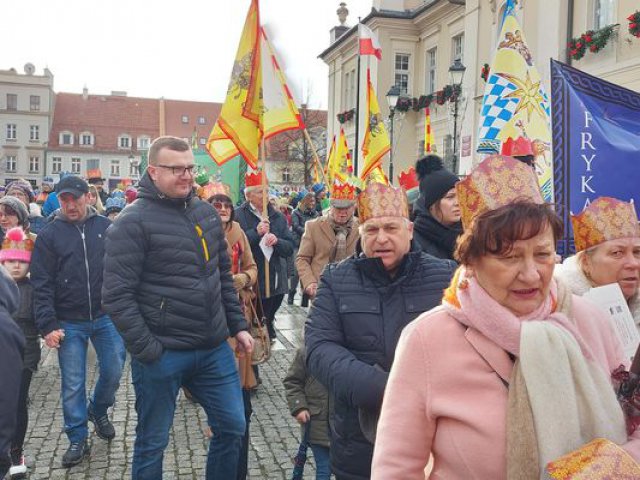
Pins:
x,y
86,265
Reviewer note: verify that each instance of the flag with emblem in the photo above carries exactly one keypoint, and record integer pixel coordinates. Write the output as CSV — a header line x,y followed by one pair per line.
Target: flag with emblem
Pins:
x,y
340,166
515,103
376,140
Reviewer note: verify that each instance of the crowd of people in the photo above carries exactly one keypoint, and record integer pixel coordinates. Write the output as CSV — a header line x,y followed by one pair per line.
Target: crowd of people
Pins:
x,y
443,339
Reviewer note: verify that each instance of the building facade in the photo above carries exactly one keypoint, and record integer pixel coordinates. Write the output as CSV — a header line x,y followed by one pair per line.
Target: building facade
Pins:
x,y
420,41
26,108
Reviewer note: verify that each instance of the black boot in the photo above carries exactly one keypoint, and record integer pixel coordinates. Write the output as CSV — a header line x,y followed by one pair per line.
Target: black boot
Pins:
x,y
76,453
305,300
292,294
104,427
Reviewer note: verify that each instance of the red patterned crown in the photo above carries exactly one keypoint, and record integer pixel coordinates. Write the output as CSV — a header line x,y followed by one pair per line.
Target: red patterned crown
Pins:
x,y
379,200
519,147
408,179
343,191
254,179
497,181
604,219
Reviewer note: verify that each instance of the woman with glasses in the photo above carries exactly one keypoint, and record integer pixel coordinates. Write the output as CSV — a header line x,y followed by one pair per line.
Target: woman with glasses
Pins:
x,y
245,275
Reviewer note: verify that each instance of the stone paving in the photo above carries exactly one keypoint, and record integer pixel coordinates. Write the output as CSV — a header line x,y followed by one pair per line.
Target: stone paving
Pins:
x,y
274,433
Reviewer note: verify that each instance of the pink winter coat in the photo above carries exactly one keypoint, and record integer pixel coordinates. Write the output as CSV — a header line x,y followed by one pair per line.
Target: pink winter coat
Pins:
x,y
447,396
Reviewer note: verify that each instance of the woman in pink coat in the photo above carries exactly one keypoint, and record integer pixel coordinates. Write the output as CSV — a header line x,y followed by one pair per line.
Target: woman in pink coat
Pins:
x,y
512,371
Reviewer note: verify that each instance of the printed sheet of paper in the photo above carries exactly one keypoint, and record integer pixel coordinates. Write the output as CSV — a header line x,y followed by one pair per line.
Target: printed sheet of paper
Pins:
x,y
611,300
266,250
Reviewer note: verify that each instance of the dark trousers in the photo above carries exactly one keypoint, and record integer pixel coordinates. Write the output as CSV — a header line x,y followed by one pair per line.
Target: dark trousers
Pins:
x,y
17,442
270,306
244,449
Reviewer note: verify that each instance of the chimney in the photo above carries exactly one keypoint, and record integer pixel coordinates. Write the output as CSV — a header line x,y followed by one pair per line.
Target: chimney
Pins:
x,y
85,93
118,93
338,31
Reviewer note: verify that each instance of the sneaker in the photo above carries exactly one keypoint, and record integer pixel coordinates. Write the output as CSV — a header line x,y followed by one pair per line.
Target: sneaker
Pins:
x,y
18,467
104,427
75,454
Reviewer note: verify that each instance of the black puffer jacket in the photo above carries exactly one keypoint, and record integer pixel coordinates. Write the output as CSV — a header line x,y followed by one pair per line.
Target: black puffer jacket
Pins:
x,y
167,281
298,220
66,270
351,336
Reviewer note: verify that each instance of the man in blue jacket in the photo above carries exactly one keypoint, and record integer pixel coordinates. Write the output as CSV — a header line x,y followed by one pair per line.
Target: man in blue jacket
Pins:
x,y
66,273
361,306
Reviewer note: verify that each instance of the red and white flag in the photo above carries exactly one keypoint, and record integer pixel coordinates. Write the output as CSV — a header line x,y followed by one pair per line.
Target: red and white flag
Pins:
x,y
369,44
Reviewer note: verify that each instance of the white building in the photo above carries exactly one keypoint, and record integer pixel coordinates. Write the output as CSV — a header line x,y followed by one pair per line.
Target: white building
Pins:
x,y
26,109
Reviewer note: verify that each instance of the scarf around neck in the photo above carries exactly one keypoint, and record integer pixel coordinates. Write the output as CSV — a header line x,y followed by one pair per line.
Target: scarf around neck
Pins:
x,y
342,232
559,398
440,235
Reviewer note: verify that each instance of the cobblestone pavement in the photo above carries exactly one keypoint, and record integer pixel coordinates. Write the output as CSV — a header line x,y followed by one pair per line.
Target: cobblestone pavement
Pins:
x,y
274,433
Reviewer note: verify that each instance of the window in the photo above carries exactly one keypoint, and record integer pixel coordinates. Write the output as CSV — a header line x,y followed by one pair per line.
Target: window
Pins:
x,y
34,103
11,164
86,139
286,175
603,13
402,72
133,168
93,164
12,101
430,85
66,138
56,165
143,143
34,132
124,141
11,131
457,48
34,164
185,118
115,168
202,120
203,141
76,166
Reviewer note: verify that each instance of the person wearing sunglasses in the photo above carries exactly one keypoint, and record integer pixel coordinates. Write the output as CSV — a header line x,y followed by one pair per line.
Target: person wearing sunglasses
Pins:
x,y
169,287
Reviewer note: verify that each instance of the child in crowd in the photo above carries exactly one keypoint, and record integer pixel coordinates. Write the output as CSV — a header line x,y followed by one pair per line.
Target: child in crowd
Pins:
x,y
308,401
15,257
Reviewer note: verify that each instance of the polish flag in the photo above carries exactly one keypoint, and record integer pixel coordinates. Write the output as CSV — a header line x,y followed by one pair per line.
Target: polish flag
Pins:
x,y
369,44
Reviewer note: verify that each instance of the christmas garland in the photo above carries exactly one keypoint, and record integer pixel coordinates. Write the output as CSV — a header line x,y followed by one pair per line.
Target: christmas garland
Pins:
x,y
484,73
592,40
448,94
634,24
346,116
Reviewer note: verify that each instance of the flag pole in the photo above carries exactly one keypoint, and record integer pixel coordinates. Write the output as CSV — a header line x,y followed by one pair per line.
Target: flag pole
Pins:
x,y
357,142
265,216
315,155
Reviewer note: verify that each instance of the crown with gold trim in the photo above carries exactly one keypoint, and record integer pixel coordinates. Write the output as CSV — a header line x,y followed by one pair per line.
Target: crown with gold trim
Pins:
x,y
379,200
409,181
604,219
497,181
211,189
343,195
519,147
254,179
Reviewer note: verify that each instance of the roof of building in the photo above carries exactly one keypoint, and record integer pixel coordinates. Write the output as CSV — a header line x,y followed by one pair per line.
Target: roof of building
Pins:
x,y
174,110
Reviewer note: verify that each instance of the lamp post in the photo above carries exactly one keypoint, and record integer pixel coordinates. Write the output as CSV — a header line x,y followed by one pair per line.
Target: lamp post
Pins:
x,y
392,99
456,72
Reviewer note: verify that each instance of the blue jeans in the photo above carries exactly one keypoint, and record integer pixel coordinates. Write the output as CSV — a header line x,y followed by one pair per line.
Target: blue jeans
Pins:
x,y
212,378
72,357
323,465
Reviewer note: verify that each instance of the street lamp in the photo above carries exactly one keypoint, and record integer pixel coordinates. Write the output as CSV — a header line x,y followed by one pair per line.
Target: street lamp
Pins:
x,y
392,99
456,72
134,165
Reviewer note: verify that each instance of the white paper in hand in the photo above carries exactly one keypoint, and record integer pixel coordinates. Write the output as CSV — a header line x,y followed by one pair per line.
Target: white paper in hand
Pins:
x,y
267,251
610,299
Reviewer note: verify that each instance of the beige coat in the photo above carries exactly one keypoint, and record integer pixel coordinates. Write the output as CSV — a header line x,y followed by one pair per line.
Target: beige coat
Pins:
x,y
316,247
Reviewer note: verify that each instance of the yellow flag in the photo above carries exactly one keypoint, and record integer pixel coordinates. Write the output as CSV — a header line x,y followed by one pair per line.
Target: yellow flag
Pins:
x,y
341,165
376,140
330,160
377,176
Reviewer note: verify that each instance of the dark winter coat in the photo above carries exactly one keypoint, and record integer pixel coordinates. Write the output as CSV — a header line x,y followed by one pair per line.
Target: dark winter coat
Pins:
x,y
11,350
167,280
278,278
351,336
433,237
304,392
25,318
66,270
298,221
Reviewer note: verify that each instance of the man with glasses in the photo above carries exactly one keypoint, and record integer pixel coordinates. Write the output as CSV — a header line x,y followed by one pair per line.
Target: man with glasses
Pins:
x,y
168,287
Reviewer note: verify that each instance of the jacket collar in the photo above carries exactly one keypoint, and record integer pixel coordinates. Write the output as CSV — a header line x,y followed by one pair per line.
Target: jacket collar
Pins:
x,y
147,189
373,268
497,358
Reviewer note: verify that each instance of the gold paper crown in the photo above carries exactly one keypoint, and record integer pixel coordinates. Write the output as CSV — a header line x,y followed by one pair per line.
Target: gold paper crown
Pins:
x,y
211,189
379,200
497,181
343,191
605,219
408,179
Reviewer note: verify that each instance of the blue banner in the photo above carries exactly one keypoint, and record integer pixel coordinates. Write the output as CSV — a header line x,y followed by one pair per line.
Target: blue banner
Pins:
x,y
596,142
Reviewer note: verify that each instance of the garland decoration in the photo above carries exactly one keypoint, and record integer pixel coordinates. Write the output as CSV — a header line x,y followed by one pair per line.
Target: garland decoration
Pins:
x,y
591,40
484,73
634,24
346,116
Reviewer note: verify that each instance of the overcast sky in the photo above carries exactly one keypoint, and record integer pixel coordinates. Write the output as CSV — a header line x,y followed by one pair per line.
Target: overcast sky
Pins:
x,y
174,49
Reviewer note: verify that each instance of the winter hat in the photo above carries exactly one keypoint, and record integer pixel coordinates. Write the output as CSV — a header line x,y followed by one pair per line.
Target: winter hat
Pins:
x,y
435,180
114,205
16,246
131,194
23,186
17,206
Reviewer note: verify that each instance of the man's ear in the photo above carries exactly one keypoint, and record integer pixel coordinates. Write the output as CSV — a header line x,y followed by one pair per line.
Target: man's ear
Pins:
x,y
153,172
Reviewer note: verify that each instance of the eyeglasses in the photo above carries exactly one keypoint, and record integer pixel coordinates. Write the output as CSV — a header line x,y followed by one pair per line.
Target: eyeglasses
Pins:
x,y
221,205
179,171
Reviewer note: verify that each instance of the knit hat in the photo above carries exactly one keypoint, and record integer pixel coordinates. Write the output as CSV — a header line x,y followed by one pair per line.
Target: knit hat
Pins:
x,y
435,180
23,186
131,193
16,246
17,206
114,205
